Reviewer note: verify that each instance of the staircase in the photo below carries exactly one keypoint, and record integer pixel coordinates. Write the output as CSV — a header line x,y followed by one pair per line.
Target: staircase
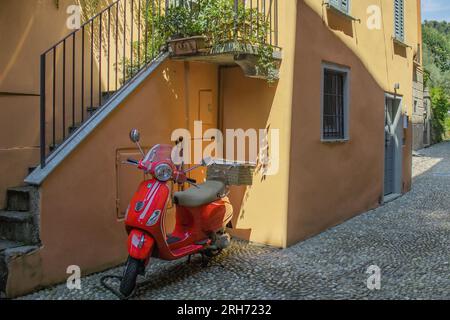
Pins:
x,y
88,68
19,229
83,79
91,66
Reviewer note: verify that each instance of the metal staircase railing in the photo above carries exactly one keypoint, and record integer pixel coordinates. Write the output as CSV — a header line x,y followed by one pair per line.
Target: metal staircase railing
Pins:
x,y
81,72
84,70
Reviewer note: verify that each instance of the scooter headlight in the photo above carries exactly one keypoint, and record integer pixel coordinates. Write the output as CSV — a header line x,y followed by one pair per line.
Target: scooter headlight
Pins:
x,y
163,172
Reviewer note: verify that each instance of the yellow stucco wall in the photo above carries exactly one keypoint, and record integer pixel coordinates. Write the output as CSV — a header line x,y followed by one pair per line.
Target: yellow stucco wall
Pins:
x,y
27,28
78,213
249,103
317,185
281,214
330,183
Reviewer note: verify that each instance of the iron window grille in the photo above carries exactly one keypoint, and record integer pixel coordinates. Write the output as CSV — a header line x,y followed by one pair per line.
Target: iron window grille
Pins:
x,y
334,113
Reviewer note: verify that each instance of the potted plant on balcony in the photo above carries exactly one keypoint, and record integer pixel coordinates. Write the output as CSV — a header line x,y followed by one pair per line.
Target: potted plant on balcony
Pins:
x,y
186,32
217,26
214,27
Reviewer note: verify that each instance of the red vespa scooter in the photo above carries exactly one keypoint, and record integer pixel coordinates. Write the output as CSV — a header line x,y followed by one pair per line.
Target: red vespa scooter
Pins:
x,y
202,213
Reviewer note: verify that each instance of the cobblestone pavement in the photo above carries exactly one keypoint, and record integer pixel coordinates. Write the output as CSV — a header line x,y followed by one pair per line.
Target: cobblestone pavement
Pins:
x,y
409,239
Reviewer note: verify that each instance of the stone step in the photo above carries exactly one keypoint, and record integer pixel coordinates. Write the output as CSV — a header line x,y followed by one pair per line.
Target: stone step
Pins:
x,y
8,244
18,198
31,169
53,147
74,128
106,95
10,250
19,226
91,110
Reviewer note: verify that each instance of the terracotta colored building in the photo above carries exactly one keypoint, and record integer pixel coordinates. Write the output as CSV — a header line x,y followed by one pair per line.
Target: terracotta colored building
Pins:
x,y
342,103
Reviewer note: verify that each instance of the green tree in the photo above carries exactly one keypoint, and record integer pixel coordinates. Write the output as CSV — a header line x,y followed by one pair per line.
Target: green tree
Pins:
x,y
440,108
437,48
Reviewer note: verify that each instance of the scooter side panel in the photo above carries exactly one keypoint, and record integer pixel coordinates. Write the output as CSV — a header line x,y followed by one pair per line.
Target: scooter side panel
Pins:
x,y
148,205
215,216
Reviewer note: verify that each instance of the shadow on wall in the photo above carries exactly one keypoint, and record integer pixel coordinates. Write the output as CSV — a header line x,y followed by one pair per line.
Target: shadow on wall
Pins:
x,y
337,23
400,50
245,103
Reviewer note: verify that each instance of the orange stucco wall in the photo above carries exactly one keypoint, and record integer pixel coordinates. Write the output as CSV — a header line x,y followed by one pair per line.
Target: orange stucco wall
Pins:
x,y
318,185
79,224
25,33
261,210
331,182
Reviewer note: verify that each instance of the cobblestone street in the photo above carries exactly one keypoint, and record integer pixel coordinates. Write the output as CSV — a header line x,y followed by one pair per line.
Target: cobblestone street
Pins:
x,y
409,239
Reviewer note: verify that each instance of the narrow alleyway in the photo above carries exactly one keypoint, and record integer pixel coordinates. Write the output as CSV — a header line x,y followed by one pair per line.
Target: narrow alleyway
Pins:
x,y
409,239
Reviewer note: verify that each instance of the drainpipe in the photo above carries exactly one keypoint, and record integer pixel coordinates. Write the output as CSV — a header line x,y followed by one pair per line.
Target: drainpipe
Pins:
x,y
186,93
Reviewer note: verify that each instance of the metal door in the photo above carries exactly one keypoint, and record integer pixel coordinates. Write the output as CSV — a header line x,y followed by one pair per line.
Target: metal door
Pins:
x,y
425,124
392,146
389,167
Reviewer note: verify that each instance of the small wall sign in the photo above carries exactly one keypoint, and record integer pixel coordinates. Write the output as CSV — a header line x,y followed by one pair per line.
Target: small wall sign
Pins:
x,y
405,121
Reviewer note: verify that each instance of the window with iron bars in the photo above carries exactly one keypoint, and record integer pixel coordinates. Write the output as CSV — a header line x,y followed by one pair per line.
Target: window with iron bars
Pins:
x,y
334,109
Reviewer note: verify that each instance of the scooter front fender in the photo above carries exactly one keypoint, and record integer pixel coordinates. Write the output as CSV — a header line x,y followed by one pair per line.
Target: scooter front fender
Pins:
x,y
140,245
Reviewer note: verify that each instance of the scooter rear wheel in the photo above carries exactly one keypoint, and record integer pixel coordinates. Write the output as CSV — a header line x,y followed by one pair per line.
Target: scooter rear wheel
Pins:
x,y
128,283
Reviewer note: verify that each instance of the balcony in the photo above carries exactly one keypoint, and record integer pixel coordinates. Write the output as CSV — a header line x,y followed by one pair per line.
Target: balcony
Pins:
x,y
91,66
226,32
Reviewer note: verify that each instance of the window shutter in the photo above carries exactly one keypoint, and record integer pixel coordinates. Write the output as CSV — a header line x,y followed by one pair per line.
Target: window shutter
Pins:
x,y
334,3
342,5
399,17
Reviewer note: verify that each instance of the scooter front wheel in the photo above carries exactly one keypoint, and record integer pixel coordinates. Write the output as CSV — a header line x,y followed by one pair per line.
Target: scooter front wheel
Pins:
x,y
128,283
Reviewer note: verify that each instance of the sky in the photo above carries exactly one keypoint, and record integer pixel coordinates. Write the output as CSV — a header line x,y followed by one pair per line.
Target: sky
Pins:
x,y
436,10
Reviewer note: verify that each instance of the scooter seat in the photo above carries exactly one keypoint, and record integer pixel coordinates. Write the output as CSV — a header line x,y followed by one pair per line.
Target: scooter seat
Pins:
x,y
207,192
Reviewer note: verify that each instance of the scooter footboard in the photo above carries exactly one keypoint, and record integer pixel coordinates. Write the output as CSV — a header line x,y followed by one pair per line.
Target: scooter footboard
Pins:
x,y
140,244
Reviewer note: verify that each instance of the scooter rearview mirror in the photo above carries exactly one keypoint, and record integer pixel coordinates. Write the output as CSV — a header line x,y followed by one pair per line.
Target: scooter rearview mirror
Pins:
x,y
135,136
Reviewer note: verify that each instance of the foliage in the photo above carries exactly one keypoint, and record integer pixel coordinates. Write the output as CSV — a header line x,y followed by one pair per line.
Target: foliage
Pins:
x,y
436,59
218,22
440,107
221,24
441,26
90,7
447,126
438,46
179,21
436,54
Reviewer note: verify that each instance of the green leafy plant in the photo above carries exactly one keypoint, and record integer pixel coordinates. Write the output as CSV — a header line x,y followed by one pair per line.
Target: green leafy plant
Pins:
x,y
447,126
440,107
181,21
436,54
249,26
218,21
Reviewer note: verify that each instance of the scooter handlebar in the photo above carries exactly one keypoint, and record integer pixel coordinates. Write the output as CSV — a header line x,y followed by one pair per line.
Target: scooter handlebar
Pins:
x,y
133,161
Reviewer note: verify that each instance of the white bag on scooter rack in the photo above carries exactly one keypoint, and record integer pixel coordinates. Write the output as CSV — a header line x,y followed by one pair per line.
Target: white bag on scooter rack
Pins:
x,y
232,173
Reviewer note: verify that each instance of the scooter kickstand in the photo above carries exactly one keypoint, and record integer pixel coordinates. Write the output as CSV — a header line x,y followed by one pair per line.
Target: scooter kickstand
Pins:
x,y
205,261
189,259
